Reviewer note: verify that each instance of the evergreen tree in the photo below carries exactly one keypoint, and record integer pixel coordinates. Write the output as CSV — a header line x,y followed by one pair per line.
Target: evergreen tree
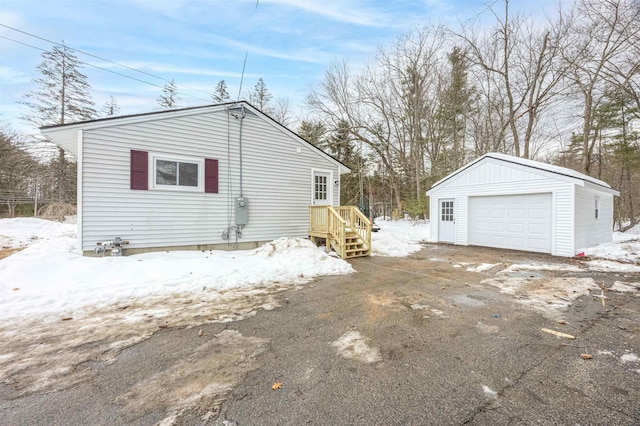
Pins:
x,y
314,133
260,97
169,98
220,94
110,107
63,95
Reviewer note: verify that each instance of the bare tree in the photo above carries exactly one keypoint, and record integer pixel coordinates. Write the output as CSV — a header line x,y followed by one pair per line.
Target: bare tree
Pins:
x,y
281,111
220,94
169,97
260,96
110,107
62,96
604,33
522,63
18,172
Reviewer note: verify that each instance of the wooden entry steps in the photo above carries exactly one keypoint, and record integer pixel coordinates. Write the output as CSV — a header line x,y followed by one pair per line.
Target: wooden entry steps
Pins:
x,y
345,229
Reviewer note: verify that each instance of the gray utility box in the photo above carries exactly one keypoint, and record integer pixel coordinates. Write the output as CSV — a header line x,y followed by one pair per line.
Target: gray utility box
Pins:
x,y
242,211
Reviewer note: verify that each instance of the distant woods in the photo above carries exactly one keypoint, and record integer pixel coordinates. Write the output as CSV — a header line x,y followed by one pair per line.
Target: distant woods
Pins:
x,y
565,91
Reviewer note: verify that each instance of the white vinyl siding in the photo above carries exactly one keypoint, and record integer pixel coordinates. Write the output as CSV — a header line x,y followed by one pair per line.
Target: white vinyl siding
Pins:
x,y
276,181
589,230
492,177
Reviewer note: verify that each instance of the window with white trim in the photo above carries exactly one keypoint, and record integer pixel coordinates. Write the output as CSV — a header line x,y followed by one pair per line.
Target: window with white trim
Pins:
x,y
596,205
176,173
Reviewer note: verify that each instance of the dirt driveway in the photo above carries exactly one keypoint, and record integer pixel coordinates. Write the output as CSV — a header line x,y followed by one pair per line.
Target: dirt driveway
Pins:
x,y
450,335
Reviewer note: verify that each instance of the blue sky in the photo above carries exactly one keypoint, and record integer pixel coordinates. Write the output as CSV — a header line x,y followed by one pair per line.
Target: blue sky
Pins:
x,y
289,42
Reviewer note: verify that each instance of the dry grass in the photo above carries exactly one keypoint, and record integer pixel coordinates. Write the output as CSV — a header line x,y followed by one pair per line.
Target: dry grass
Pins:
x,y
9,251
57,211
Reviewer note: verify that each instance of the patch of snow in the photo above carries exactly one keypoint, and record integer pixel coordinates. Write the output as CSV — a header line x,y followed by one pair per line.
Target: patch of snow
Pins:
x,y
538,266
483,267
50,276
399,238
418,306
624,248
489,392
439,313
611,266
630,357
605,352
547,295
621,287
25,231
352,345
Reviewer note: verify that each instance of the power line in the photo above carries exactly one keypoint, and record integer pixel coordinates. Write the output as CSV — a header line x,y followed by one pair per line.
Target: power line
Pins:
x,y
100,58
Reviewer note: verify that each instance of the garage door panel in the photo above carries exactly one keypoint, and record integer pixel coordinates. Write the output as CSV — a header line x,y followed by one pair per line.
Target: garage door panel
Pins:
x,y
519,222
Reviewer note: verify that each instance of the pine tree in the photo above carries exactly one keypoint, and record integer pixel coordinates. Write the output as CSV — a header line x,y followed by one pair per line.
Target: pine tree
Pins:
x,y
63,95
220,93
169,98
314,133
110,107
260,97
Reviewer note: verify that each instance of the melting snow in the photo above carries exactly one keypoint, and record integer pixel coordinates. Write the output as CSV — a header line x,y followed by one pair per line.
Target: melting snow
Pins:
x,y
483,267
629,358
624,248
399,238
621,287
352,345
490,393
611,266
49,276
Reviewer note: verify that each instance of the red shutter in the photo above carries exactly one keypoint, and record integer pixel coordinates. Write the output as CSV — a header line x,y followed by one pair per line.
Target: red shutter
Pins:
x,y
139,170
210,176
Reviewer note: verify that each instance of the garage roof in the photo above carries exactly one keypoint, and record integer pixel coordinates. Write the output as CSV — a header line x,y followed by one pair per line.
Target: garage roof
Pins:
x,y
563,171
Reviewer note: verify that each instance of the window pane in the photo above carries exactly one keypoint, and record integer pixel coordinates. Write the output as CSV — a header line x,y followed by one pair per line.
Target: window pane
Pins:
x,y
188,174
166,172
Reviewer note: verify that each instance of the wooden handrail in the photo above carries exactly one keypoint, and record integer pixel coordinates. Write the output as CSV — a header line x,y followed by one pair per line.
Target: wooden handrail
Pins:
x,y
334,223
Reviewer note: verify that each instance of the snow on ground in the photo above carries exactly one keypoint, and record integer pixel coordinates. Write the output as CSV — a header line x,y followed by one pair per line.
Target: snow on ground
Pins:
x,y
26,231
483,267
352,345
625,248
399,238
50,276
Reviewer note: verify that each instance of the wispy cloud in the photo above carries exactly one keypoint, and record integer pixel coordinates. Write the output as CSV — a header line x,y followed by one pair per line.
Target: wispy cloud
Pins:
x,y
338,10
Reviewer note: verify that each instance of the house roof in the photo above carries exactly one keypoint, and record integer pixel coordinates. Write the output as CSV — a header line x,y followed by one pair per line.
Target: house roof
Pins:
x,y
550,168
66,135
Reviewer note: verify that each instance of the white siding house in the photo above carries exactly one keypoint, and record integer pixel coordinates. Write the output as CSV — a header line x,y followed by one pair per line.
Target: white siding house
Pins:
x,y
174,179
514,203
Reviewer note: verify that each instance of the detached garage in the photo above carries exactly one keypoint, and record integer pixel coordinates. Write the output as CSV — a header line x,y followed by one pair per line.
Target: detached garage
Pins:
x,y
514,203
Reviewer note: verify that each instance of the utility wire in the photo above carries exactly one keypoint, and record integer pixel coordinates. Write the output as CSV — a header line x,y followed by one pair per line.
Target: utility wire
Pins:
x,y
102,59
84,63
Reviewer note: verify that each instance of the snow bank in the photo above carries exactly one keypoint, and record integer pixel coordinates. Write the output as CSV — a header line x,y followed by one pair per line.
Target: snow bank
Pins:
x,y
50,276
625,248
399,238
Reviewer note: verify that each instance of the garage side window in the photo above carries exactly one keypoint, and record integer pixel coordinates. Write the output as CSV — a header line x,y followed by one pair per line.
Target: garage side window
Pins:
x,y
596,204
447,211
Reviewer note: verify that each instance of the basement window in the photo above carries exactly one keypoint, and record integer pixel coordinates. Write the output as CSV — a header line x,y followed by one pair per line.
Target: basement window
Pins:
x,y
177,174
596,206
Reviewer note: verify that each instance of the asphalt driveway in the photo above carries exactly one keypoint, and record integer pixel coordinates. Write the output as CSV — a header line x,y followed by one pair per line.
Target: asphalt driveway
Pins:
x,y
428,339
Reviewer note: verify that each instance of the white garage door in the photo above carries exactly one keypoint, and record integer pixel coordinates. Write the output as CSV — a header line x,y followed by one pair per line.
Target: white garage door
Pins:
x,y
518,222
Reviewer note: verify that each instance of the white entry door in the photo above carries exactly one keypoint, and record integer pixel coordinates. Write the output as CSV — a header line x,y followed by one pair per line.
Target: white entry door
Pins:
x,y
447,221
321,189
